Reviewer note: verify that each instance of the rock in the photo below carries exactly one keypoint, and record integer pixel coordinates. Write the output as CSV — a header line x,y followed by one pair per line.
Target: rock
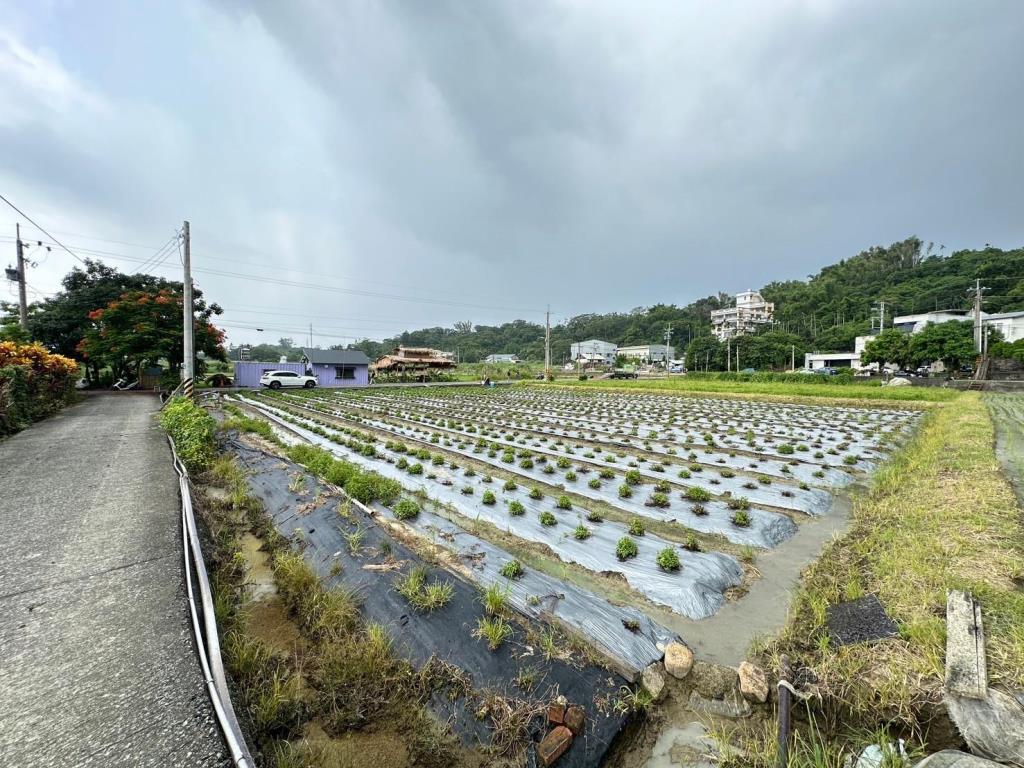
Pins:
x,y
653,681
993,727
713,681
556,713
575,717
678,660
953,758
733,705
753,683
898,382
553,745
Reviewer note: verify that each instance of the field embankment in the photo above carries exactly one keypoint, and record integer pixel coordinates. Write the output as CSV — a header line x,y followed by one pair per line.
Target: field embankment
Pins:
x,y
941,515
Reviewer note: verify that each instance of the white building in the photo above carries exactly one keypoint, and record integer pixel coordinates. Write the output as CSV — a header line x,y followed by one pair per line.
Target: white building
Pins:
x,y
750,312
501,358
648,353
1010,324
593,351
816,360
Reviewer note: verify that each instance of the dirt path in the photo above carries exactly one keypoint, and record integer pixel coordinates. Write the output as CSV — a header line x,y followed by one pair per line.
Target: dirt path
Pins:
x,y
1008,416
99,667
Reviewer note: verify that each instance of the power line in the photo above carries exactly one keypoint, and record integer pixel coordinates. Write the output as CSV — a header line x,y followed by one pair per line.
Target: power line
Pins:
x,y
33,223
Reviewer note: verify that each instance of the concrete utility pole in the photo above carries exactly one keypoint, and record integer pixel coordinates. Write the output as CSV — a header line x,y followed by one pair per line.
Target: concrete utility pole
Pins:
x,y
547,343
728,354
978,335
22,298
189,370
792,357
668,340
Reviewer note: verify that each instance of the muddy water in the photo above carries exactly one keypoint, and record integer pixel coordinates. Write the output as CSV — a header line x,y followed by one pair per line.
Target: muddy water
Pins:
x,y
725,637
1007,413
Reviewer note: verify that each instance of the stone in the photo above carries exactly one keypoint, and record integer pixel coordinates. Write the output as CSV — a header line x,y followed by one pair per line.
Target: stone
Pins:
x,y
953,758
713,681
575,717
652,680
753,683
554,745
993,727
678,660
556,713
732,705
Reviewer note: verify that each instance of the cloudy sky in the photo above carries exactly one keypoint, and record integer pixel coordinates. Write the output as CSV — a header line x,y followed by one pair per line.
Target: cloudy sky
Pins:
x,y
386,165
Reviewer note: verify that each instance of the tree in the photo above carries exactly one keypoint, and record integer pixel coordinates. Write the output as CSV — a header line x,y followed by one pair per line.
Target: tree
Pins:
x,y
143,327
705,353
890,346
952,343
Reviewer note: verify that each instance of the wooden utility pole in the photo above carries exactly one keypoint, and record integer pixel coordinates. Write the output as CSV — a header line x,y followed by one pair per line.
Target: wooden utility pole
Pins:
x,y
189,370
547,343
22,298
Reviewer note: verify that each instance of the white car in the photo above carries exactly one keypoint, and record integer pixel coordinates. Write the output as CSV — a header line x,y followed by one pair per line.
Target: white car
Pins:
x,y
278,379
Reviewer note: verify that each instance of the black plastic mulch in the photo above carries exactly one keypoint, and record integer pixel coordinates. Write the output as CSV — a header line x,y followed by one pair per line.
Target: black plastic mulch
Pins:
x,y
445,633
863,620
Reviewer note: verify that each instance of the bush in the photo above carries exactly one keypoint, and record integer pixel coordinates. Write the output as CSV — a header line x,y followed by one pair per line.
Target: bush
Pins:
x,y
563,502
740,502
659,500
695,493
626,548
786,449
406,509
193,431
594,516
741,518
581,532
510,485
625,491
633,477
594,483
536,494
33,384
692,543
668,560
636,526
516,509
546,518
513,569
416,469
488,498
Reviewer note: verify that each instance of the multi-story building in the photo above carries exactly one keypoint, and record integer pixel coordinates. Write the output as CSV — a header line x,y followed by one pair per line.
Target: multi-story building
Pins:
x,y
593,351
648,353
749,313
502,358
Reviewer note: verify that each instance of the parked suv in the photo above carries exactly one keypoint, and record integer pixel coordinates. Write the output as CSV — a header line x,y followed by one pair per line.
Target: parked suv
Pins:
x,y
278,379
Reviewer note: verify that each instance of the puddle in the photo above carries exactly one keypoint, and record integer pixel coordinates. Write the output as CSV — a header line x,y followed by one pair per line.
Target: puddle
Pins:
x,y
259,580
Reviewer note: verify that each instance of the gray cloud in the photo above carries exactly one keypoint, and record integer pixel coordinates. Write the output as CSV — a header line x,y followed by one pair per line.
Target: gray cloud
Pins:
x,y
596,155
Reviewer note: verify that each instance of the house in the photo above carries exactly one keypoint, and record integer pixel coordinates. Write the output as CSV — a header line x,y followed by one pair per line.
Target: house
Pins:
x,y
416,360
750,312
648,353
594,351
502,358
918,322
336,368
816,360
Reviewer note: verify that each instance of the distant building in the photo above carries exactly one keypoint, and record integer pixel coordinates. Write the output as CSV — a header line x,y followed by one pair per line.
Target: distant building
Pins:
x,y
648,353
337,367
816,360
750,313
1010,324
501,358
414,360
593,351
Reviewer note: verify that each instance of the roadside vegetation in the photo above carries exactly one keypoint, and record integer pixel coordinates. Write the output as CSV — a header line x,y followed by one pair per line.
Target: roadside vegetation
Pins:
x,y
939,516
33,384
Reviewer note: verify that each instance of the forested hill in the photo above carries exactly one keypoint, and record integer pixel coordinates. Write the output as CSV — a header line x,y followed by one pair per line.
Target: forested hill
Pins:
x,y
824,312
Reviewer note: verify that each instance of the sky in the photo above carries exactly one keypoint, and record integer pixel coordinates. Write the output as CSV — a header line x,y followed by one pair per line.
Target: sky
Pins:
x,y
369,167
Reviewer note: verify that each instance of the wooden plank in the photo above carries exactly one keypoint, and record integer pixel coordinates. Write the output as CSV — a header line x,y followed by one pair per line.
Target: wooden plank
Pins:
x,y
966,670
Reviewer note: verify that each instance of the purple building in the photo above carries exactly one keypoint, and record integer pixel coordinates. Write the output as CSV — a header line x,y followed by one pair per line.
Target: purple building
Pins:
x,y
337,367
332,367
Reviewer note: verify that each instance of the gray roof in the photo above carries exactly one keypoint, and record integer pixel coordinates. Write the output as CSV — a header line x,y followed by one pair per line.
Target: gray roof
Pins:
x,y
335,356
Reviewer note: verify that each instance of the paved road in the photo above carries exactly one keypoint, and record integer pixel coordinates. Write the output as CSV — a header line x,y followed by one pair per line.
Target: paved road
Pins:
x,y
97,664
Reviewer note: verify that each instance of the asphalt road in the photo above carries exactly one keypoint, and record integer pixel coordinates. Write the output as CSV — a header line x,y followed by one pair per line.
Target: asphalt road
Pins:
x,y
97,662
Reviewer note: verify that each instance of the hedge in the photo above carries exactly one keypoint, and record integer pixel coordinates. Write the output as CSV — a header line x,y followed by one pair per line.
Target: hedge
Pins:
x,y
33,384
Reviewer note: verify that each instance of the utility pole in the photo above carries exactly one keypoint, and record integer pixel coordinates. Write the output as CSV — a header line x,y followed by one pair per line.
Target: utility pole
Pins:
x,y
310,335
728,354
978,334
668,341
792,357
547,343
189,372
22,299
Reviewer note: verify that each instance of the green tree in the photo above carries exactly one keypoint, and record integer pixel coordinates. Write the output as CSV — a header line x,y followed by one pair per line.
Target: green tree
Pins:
x,y
952,343
705,353
890,346
143,327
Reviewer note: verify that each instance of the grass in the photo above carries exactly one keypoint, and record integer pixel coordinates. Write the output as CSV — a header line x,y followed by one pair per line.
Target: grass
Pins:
x,y
420,594
494,629
939,516
812,390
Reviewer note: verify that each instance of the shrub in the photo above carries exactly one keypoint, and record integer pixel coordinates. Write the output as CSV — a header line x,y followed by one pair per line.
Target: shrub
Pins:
x,y
741,518
546,518
516,509
606,474
625,491
488,498
659,500
849,459
633,477
581,532
636,526
692,543
595,483
467,490
193,431
626,548
570,476
536,494
563,502
739,502
406,509
510,485
416,469
786,449
594,516
699,510
402,463
684,473
668,560
513,569
696,493
727,473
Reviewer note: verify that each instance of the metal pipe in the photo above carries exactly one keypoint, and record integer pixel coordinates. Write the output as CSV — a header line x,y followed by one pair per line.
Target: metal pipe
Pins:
x,y
785,703
216,685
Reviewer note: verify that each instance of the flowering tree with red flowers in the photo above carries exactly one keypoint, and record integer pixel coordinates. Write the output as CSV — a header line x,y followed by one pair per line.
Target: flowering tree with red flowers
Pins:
x,y
143,327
